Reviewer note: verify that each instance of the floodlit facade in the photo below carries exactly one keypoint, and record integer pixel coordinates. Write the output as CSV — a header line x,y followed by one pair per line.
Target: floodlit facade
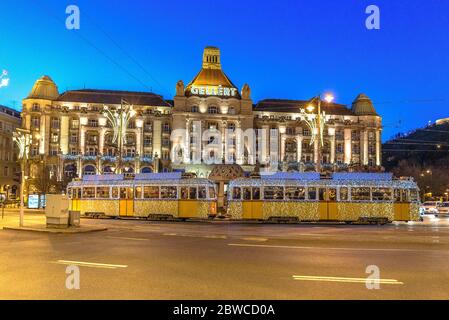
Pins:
x,y
72,137
9,168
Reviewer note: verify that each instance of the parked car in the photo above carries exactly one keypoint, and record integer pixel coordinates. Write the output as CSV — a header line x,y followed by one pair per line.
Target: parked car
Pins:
x,y
430,207
443,208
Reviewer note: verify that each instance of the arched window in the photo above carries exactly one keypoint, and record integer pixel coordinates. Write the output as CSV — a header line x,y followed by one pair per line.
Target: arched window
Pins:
x,y
89,170
70,170
212,110
146,170
107,170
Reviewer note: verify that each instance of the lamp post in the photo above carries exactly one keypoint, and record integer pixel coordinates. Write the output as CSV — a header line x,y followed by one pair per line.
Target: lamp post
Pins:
x,y
119,120
316,123
22,138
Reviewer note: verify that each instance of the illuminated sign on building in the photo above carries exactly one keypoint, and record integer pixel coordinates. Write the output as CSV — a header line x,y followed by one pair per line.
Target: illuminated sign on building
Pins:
x,y
214,91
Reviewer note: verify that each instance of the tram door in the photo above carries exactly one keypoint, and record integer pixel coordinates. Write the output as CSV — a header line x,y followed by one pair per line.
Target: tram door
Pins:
x,y
126,202
328,203
401,205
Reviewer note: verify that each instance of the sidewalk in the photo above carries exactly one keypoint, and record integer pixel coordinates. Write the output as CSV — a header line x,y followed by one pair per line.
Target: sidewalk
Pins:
x,y
35,221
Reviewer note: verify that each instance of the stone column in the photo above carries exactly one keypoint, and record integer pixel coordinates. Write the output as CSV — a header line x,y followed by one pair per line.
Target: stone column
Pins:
x,y
298,147
347,146
364,147
378,148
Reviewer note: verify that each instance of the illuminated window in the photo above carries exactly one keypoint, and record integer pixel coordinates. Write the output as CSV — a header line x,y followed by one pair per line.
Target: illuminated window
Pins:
x,y
151,192
362,194
273,193
382,194
212,110
169,192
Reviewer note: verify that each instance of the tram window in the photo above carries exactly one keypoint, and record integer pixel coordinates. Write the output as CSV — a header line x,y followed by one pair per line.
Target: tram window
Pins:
x,y
311,193
344,194
138,192
404,194
247,193
397,195
77,193
89,192
295,193
202,192
236,193
332,194
114,192
360,194
123,193
69,193
380,194
321,194
256,193
413,195
184,193
275,193
103,192
151,192
169,192
192,193
211,192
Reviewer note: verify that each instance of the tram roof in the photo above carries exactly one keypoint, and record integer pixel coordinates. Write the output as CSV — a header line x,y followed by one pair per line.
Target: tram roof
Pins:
x,y
138,176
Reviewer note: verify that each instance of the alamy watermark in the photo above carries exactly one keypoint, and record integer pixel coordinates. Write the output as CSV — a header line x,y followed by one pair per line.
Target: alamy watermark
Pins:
x,y
72,22
372,22
72,281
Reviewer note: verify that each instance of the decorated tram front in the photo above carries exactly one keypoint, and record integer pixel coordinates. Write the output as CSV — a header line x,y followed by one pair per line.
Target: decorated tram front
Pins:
x,y
347,197
143,195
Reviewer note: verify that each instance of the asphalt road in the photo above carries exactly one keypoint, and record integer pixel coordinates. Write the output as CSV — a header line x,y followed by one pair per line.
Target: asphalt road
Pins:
x,y
149,260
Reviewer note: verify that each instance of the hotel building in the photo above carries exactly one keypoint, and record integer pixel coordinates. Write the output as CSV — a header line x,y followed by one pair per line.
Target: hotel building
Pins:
x,y
72,137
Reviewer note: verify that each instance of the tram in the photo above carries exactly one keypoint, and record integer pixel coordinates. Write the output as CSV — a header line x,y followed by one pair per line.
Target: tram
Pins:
x,y
344,197
145,195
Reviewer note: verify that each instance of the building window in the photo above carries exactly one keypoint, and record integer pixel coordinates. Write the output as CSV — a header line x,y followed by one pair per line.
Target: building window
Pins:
x,y
147,141
75,124
35,107
6,171
231,110
92,123
54,138
74,138
130,153
53,151
166,142
290,130
212,110
91,151
306,132
54,123
35,122
231,126
339,147
166,128
194,109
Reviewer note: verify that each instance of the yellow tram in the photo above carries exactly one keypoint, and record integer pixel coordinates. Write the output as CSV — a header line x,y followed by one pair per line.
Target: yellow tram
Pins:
x,y
145,195
346,197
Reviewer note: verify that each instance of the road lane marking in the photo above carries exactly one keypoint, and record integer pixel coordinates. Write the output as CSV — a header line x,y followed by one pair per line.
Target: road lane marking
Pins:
x,y
91,264
211,236
314,248
255,239
128,238
346,279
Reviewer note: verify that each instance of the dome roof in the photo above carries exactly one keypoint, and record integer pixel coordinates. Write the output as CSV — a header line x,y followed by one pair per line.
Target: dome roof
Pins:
x,y
226,172
211,74
363,106
44,88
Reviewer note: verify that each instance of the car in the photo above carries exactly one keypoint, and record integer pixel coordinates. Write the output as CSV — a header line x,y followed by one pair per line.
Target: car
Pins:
x,y
430,207
443,208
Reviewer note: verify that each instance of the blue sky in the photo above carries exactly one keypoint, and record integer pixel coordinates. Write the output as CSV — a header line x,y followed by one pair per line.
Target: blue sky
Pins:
x,y
282,49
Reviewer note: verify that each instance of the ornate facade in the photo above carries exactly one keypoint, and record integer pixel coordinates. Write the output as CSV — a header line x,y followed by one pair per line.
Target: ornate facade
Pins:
x,y
71,136
9,121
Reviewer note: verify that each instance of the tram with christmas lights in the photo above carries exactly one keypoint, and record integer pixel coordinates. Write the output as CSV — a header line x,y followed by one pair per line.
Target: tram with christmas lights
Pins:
x,y
343,197
146,195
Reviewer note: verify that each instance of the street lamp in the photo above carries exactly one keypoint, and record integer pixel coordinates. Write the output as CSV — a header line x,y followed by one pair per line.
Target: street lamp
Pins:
x,y
316,123
22,138
119,120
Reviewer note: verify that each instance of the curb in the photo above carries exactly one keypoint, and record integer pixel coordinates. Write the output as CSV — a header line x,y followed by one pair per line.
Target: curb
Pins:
x,y
58,231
